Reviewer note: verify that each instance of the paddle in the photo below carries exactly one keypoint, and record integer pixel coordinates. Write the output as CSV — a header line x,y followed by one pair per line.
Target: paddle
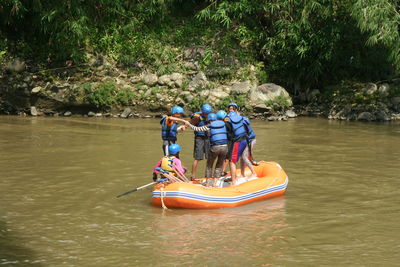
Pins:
x,y
168,176
180,175
136,189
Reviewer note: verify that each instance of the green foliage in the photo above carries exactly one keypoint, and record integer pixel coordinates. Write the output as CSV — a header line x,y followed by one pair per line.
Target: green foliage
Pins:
x,y
197,102
240,100
381,20
394,90
252,73
282,101
311,43
302,44
3,49
107,94
101,97
125,97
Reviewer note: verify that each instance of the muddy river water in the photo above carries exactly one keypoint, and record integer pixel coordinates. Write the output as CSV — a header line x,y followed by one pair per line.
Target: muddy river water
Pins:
x,y
59,178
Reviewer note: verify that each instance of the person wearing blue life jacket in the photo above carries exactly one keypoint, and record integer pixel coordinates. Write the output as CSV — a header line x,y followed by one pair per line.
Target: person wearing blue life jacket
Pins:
x,y
201,138
169,128
239,142
219,139
247,155
218,131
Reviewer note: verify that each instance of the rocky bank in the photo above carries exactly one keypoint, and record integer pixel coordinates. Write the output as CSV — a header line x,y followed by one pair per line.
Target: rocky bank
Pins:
x,y
102,88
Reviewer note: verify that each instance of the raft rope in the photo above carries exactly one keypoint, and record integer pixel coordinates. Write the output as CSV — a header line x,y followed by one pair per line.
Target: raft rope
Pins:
x,y
163,194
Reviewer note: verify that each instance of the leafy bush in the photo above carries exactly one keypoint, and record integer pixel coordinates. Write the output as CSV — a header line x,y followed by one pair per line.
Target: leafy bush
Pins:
x,y
107,94
197,102
240,100
103,96
283,102
125,97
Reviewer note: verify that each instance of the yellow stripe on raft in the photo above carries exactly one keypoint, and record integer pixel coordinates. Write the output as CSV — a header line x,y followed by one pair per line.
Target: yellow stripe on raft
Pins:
x,y
271,182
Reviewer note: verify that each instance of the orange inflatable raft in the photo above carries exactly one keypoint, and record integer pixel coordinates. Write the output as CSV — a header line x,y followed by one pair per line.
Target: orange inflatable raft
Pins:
x,y
271,181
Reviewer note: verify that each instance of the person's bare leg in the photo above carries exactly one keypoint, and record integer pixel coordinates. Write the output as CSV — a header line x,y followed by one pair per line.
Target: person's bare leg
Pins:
x,y
242,167
225,165
233,172
245,161
194,167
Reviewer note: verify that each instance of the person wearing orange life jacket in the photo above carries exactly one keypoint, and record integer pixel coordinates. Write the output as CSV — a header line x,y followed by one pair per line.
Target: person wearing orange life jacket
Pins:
x,y
201,140
170,163
169,128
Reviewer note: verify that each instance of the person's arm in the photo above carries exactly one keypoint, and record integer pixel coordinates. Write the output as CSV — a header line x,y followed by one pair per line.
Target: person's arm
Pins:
x,y
171,118
157,166
178,166
199,128
182,128
229,130
174,119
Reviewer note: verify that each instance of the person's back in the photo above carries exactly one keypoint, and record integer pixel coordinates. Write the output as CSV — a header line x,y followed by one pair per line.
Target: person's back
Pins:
x,y
238,128
171,163
218,133
218,144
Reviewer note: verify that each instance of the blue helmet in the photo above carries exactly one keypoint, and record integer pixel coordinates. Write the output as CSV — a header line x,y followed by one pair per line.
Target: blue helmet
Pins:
x,y
221,115
233,104
212,117
174,149
206,108
177,109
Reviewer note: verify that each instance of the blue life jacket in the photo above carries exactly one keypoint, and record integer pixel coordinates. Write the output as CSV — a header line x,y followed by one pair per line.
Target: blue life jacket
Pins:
x,y
168,133
218,133
238,128
232,113
202,122
250,133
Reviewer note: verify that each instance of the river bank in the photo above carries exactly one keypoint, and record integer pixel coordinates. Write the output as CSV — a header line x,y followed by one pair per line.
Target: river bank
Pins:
x,y
103,89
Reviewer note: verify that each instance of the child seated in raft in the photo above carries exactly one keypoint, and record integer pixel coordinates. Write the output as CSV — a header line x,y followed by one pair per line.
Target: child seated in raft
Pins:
x,y
171,163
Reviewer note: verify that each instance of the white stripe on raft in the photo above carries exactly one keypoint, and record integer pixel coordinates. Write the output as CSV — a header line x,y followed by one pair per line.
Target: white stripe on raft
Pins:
x,y
233,199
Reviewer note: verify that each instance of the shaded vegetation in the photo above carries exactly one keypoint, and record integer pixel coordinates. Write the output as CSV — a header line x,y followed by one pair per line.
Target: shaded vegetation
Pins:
x,y
299,44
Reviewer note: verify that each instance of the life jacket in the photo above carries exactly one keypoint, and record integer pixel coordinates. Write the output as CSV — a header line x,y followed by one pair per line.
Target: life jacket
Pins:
x,y
168,133
238,128
167,163
218,133
250,133
202,122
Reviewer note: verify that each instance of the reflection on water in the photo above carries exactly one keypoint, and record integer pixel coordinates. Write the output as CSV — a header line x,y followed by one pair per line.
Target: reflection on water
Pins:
x,y
226,235
59,179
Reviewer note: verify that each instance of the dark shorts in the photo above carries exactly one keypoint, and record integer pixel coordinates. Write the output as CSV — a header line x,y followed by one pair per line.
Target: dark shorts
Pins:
x,y
201,148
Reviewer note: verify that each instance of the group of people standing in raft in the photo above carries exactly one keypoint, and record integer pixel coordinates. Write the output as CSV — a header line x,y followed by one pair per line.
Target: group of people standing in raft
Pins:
x,y
225,137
